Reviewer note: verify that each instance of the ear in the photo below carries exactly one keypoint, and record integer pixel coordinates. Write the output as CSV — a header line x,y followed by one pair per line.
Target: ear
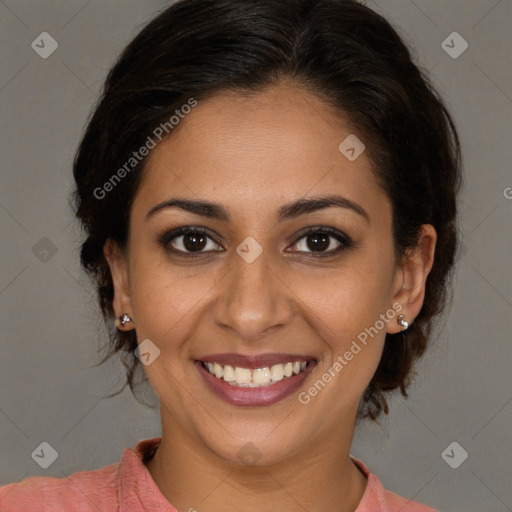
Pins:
x,y
411,276
119,269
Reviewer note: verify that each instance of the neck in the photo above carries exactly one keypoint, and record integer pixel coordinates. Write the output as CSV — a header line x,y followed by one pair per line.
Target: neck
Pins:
x,y
192,477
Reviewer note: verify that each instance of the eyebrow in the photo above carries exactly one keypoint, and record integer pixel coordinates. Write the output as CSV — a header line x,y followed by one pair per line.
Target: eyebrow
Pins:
x,y
286,212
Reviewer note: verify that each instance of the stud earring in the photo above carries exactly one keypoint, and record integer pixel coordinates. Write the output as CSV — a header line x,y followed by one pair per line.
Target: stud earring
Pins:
x,y
403,322
124,319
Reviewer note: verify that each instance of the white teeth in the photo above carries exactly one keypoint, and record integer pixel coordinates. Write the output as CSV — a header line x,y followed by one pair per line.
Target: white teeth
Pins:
x,y
261,376
229,373
277,372
258,377
217,368
242,375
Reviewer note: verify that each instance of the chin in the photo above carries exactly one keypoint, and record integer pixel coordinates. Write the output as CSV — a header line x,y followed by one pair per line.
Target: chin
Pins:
x,y
253,450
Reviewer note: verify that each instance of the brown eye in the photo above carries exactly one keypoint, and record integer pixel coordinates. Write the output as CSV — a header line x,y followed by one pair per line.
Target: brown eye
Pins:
x,y
323,241
194,242
188,240
318,242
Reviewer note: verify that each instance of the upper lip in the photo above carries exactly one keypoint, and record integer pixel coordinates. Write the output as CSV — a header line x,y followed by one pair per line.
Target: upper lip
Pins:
x,y
254,361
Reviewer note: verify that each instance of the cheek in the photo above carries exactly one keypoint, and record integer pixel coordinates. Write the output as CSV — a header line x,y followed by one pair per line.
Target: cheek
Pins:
x,y
347,300
347,312
340,301
167,299
350,309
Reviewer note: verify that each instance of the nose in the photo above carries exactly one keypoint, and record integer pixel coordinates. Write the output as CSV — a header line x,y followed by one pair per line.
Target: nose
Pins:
x,y
254,300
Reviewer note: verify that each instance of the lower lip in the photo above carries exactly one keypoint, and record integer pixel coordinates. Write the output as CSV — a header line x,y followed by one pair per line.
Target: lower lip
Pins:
x,y
266,395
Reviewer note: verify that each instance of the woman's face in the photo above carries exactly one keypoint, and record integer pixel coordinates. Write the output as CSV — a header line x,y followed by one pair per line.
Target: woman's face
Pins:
x,y
255,290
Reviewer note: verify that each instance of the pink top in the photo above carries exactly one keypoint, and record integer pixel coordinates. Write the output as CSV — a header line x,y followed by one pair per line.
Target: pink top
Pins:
x,y
127,486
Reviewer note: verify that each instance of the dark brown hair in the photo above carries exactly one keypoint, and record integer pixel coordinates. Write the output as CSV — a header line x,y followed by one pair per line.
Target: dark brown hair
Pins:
x,y
344,52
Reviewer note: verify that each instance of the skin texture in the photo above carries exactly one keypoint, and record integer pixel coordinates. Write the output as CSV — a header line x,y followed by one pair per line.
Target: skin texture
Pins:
x,y
254,153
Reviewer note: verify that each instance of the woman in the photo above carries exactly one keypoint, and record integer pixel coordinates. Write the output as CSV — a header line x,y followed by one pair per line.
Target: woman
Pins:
x,y
268,190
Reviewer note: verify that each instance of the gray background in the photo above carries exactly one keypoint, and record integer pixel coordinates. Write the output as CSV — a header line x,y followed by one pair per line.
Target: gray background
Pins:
x,y
49,323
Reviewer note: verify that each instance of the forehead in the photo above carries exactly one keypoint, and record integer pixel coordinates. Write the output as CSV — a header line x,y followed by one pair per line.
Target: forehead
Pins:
x,y
256,151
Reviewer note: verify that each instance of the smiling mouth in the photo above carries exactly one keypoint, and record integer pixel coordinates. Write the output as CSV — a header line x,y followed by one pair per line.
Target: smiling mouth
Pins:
x,y
255,378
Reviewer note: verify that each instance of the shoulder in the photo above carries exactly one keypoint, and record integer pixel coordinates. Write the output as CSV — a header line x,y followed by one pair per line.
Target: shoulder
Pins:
x,y
84,491
376,498
398,503
124,485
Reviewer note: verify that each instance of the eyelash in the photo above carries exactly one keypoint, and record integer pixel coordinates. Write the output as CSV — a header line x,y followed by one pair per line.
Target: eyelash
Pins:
x,y
167,237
